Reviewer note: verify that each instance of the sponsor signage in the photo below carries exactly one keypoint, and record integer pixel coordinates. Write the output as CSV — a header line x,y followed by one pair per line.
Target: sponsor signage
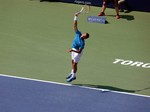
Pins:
x,y
132,63
88,2
97,19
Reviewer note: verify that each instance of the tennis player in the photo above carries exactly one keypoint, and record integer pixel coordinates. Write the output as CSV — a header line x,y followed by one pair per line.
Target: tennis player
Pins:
x,y
77,49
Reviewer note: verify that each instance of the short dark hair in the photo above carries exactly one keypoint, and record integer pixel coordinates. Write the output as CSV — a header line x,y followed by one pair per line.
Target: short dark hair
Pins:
x,y
87,35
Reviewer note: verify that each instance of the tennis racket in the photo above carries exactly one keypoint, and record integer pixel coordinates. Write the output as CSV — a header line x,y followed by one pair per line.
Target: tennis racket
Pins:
x,y
85,9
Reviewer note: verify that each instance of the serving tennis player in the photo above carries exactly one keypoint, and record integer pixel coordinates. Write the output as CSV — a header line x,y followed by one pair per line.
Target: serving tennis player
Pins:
x,y
78,45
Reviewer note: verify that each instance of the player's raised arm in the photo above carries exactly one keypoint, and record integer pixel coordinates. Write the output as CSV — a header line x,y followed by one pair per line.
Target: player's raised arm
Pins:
x,y
75,21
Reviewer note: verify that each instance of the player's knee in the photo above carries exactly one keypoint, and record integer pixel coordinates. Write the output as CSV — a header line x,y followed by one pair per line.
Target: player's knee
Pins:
x,y
75,64
104,3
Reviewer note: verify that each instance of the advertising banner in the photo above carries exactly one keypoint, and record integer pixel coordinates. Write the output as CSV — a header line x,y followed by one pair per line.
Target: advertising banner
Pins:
x,y
89,2
136,5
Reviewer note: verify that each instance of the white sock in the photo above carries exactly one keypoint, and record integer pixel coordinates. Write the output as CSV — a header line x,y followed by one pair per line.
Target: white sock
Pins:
x,y
72,71
73,74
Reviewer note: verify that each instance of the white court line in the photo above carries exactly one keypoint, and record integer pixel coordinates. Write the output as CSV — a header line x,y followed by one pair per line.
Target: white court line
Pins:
x,y
44,81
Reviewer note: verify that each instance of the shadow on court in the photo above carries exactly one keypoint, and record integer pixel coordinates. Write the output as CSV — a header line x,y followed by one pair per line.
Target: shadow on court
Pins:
x,y
143,89
127,17
112,88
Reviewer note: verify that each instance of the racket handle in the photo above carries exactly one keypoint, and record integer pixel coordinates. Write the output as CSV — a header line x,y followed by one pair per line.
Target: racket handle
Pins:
x,y
81,9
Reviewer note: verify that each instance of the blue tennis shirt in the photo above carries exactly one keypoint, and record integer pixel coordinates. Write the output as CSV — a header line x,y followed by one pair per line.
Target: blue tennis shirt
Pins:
x,y
78,42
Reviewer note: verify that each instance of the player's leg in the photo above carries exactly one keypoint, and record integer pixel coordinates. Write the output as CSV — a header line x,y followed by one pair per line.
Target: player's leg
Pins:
x,y
102,13
116,9
74,68
72,61
71,69
75,59
72,75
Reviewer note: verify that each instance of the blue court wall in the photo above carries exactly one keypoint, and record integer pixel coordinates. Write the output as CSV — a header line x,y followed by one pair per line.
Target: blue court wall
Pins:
x,y
136,5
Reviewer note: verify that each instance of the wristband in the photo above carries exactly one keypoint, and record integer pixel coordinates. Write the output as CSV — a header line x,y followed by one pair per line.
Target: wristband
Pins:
x,y
75,18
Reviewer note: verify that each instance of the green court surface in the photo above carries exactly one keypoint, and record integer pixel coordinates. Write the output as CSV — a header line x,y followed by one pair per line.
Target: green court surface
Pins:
x,y
34,37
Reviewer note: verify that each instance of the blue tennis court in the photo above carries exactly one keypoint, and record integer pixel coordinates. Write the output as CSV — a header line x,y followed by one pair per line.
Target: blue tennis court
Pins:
x,y
29,95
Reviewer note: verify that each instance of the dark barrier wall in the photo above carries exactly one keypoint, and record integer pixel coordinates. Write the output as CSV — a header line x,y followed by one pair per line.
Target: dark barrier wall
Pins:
x,y
137,5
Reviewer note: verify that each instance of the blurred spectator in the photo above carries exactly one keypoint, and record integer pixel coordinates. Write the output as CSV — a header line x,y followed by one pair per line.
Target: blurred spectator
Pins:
x,y
123,5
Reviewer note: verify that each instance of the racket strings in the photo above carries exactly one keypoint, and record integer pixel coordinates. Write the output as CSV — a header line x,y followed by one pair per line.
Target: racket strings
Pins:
x,y
85,9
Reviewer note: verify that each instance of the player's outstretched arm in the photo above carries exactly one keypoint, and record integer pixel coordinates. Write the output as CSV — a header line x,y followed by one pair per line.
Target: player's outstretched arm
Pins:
x,y
76,21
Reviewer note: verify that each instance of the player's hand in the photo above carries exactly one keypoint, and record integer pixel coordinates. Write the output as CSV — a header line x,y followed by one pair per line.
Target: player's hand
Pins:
x,y
77,13
69,50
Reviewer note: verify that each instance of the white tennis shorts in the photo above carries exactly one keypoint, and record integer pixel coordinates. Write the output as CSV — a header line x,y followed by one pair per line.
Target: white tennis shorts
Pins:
x,y
76,56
